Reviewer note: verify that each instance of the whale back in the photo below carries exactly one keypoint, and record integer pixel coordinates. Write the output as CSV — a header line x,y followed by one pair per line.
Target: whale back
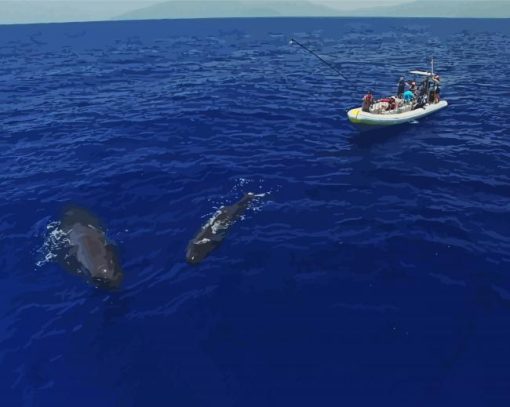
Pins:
x,y
236,210
212,234
89,252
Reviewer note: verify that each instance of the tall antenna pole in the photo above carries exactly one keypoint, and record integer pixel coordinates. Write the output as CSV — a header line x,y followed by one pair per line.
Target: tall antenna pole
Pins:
x,y
432,64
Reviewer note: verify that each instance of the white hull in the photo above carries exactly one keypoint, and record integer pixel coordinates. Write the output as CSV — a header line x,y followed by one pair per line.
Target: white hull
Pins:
x,y
357,116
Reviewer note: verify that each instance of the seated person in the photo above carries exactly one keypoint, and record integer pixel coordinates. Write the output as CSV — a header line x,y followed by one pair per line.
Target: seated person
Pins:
x,y
408,96
392,104
422,102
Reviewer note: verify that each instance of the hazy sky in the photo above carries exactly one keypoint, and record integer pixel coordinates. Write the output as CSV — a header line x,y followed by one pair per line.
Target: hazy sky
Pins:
x,y
342,3
24,11
357,3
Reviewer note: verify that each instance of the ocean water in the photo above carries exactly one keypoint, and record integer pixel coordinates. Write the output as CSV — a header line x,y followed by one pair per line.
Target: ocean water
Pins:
x,y
375,271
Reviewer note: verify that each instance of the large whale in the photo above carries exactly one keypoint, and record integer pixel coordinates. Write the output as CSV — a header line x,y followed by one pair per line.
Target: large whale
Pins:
x,y
214,231
88,252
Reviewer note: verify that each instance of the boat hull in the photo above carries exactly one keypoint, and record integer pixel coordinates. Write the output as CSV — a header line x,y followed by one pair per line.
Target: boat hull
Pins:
x,y
364,119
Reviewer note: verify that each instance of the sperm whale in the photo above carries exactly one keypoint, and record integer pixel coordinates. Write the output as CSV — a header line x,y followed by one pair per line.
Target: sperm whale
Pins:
x,y
88,252
215,230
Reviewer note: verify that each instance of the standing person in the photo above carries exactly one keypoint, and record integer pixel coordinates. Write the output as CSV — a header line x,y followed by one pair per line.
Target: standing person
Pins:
x,y
437,93
413,88
401,87
368,100
432,94
423,90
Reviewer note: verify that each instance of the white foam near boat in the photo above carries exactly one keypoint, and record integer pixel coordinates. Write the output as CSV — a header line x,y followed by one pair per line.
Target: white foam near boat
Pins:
x,y
398,116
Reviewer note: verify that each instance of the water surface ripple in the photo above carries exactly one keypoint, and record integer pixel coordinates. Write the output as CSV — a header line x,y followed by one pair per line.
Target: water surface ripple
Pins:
x,y
375,271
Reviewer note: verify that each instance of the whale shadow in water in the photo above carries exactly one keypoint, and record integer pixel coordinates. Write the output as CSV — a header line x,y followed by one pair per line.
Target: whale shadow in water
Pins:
x,y
86,251
212,234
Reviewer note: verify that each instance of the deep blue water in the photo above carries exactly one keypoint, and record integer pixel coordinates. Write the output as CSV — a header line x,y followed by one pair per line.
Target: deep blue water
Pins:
x,y
374,272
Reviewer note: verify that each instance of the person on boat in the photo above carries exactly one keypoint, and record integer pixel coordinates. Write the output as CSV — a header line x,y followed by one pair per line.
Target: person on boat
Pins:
x,y
401,87
435,89
425,85
432,94
423,91
421,103
368,101
408,96
411,85
392,103
438,94
433,98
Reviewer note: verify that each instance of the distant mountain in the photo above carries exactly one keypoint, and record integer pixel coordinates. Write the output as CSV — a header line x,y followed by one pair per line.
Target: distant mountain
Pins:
x,y
226,8
436,8
23,12
205,9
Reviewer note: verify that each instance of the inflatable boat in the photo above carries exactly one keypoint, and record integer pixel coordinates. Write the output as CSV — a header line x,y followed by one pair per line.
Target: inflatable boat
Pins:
x,y
404,114
417,102
422,101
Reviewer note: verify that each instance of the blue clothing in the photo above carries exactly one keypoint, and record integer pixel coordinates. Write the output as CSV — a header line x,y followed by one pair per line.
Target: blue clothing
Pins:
x,y
408,96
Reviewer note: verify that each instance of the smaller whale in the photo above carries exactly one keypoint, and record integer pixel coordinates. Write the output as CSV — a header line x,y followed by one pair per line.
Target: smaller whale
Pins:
x,y
87,251
214,231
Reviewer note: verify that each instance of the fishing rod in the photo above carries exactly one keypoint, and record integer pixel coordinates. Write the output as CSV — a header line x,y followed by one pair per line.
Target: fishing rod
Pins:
x,y
293,41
